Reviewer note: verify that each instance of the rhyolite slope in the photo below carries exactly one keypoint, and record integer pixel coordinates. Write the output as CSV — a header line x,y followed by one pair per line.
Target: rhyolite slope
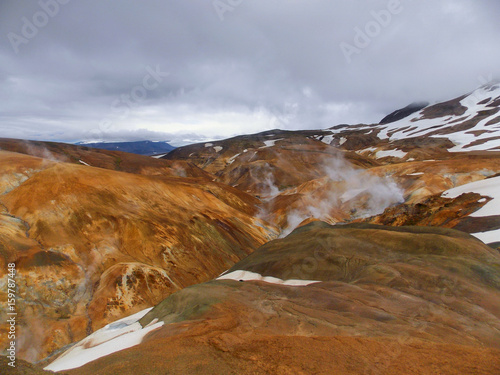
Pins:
x,y
388,300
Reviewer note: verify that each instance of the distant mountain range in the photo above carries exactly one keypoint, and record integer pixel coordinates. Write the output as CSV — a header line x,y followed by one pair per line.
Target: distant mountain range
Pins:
x,y
138,147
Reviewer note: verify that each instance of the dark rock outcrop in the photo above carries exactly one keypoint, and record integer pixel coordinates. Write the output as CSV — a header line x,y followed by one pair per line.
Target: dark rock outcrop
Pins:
x,y
403,112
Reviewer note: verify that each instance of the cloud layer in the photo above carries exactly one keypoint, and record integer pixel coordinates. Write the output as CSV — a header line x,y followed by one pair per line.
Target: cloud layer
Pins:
x,y
72,70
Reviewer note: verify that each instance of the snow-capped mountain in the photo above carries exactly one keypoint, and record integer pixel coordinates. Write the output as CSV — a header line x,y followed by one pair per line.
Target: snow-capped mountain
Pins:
x,y
471,122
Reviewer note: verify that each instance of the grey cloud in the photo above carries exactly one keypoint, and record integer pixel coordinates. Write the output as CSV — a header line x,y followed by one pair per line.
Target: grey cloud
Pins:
x,y
268,63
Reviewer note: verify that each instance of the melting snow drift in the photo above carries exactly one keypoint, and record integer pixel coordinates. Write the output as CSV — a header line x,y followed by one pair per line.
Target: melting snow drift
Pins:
x,y
116,336
250,276
489,187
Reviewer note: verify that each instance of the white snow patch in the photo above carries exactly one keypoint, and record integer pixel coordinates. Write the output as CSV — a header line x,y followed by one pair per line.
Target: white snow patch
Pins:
x,y
217,148
369,149
395,153
116,336
209,144
81,161
383,133
158,156
92,141
249,276
488,237
342,140
415,174
232,159
271,143
489,187
327,139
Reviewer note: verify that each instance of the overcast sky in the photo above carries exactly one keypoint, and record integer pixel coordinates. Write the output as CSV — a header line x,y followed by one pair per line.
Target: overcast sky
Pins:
x,y
194,70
